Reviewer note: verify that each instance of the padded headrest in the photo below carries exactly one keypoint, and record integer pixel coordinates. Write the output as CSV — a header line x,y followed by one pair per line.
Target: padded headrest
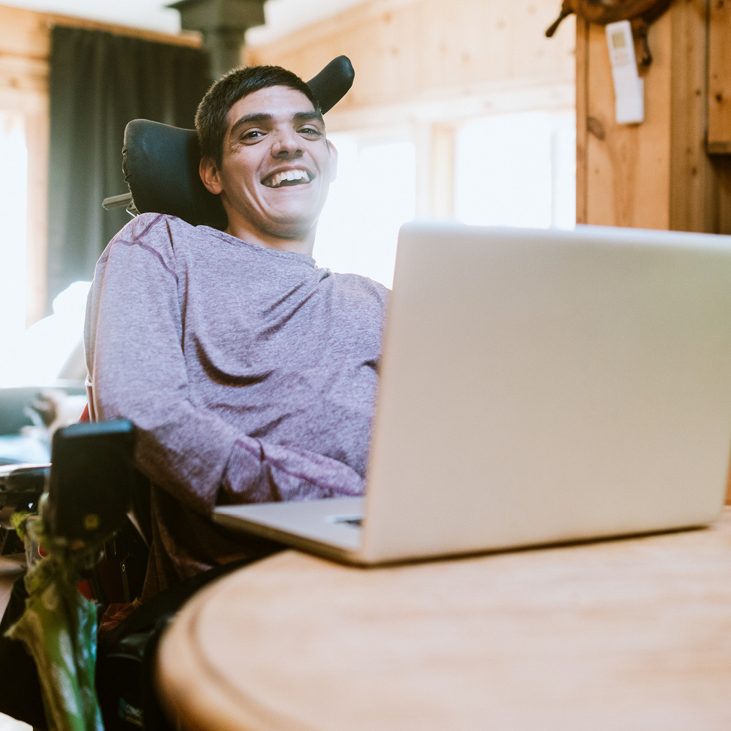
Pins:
x,y
160,162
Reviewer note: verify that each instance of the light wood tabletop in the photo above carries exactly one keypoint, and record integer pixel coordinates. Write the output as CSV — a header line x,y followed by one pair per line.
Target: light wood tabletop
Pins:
x,y
622,634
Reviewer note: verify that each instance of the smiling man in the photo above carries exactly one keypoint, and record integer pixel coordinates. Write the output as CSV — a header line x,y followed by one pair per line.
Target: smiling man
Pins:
x,y
249,372
272,169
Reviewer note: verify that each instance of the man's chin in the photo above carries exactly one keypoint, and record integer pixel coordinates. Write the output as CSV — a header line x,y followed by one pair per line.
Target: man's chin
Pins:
x,y
293,222
268,223
292,230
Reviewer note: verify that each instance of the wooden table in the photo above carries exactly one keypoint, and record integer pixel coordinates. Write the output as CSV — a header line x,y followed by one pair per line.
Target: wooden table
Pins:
x,y
626,634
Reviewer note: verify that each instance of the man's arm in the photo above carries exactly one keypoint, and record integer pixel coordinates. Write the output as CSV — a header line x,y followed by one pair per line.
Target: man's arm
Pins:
x,y
137,369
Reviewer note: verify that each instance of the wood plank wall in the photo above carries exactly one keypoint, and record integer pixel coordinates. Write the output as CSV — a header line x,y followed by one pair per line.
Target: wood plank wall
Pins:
x,y
719,78
461,57
657,174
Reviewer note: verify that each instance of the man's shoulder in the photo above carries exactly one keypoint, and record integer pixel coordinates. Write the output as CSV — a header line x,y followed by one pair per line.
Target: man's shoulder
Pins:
x,y
155,226
159,235
160,232
362,283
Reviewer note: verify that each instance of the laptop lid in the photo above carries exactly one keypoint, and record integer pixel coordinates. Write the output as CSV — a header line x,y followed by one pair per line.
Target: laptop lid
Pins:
x,y
536,387
542,386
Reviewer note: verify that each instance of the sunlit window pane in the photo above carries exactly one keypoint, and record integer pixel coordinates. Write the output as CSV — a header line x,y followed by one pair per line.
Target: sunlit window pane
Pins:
x,y
13,204
372,196
517,170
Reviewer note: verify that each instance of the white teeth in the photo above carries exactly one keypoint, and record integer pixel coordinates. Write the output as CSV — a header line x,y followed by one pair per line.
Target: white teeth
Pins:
x,y
288,175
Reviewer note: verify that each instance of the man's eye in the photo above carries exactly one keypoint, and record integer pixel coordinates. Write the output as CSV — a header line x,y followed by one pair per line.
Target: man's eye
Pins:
x,y
252,135
310,132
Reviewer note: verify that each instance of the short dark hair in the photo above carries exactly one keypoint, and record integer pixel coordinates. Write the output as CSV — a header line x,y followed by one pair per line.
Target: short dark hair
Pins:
x,y
210,118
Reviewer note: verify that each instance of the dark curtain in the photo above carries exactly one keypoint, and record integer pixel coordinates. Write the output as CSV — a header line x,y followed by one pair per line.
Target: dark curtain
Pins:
x,y
98,83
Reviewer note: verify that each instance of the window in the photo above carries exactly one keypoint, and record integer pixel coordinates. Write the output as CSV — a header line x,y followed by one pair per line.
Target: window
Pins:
x,y
517,170
13,208
512,169
372,196
35,355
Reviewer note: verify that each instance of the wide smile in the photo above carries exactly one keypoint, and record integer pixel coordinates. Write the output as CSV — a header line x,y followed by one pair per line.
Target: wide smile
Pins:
x,y
285,178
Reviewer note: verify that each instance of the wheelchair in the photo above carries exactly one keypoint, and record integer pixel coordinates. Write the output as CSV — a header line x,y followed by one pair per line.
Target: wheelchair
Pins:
x,y
90,494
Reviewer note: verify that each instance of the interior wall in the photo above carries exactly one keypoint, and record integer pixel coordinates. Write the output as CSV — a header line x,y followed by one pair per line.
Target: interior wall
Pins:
x,y
462,58
657,174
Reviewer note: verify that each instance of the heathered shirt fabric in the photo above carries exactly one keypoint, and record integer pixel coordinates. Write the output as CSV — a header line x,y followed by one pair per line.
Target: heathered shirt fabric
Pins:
x,y
249,373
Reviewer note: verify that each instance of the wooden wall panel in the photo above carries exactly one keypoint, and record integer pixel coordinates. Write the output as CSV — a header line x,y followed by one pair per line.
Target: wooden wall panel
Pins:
x,y
625,175
722,171
23,33
655,174
693,185
408,51
23,59
719,77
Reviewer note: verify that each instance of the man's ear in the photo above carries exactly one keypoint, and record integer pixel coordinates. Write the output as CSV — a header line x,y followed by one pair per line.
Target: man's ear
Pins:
x,y
333,160
208,170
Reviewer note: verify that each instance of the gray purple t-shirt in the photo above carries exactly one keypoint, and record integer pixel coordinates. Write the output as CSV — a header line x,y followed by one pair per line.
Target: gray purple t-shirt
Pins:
x,y
249,373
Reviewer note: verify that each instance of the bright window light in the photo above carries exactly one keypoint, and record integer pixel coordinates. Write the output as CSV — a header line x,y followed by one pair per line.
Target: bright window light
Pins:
x,y
13,206
517,170
375,192
50,348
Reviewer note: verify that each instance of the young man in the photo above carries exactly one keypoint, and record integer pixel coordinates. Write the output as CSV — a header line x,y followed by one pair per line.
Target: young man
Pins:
x,y
249,372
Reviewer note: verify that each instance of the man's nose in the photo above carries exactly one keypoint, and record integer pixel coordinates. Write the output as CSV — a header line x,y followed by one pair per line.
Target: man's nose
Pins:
x,y
287,143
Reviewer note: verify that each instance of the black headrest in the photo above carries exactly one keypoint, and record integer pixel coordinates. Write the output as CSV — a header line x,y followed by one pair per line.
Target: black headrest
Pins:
x,y
160,162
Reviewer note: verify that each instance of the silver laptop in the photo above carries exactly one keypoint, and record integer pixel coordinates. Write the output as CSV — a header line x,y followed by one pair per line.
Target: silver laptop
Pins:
x,y
537,387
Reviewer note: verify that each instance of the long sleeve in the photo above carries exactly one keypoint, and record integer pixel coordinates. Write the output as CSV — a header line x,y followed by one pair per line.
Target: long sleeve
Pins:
x,y
141,341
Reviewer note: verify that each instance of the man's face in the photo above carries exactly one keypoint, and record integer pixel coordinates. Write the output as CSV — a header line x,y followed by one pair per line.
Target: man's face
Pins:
x,y
276,167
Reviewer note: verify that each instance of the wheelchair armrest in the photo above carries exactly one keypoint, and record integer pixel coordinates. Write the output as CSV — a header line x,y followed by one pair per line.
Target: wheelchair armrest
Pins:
x,y
91,480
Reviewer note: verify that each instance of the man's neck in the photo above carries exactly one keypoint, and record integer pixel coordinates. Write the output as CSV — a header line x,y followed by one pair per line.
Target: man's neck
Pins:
x,y
296,244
